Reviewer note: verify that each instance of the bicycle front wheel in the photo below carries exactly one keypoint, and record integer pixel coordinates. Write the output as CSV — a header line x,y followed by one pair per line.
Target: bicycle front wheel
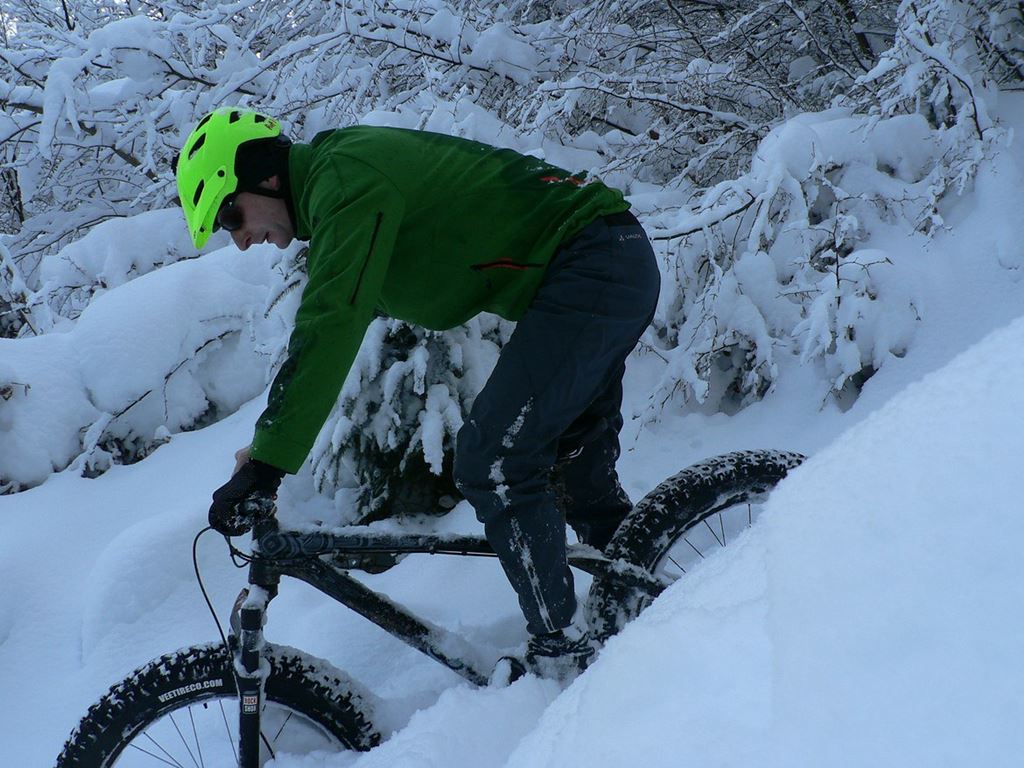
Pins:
x,y
182,710
683,520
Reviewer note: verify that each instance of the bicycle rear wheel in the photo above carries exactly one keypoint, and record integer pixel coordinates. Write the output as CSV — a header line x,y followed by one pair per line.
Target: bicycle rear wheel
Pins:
x,y
182,710
682,521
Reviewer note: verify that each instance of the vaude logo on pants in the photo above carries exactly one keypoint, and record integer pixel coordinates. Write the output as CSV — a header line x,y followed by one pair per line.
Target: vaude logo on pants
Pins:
x,y
203,686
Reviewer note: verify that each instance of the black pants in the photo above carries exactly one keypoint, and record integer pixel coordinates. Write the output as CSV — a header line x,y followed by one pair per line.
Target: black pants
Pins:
x,y
557,384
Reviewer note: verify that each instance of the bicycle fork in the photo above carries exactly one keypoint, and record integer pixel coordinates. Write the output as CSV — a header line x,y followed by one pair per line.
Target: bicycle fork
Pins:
x,y
250,666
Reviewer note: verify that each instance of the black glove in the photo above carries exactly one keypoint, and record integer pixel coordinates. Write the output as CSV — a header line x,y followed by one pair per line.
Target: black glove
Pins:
x,y
247,497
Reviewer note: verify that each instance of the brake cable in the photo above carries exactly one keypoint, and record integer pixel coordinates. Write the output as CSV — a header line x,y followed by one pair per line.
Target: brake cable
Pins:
x,y
202,587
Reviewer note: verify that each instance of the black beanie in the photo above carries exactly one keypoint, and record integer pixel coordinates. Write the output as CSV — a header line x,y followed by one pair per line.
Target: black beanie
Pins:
x,y
259,159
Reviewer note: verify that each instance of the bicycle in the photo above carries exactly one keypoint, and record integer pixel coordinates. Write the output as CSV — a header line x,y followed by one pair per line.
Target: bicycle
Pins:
x,y
281,699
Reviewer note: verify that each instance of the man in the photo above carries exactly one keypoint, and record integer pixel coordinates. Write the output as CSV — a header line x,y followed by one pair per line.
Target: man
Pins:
x,y
434,229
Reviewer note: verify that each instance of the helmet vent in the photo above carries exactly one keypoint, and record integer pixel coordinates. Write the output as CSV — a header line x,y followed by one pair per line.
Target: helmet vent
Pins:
x,y
258,118
235,117
195,147
203,122
199,192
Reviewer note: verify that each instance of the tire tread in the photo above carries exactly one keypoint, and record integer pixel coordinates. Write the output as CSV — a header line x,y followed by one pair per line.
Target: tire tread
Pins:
x,y
668,512
325,695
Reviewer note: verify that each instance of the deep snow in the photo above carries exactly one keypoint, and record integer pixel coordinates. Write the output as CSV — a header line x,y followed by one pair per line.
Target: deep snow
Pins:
x,y
872,616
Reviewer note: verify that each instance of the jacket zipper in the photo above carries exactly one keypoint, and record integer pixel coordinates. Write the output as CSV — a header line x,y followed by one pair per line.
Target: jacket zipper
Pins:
x,y
505,264
366,261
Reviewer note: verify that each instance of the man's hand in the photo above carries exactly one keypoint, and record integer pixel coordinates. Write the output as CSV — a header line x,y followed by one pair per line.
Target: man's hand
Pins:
x,y
248,496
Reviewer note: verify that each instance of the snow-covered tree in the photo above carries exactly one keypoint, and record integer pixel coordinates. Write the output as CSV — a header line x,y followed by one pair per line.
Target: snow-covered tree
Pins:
x,y
387,448
767,231
780,260
95,96
684,90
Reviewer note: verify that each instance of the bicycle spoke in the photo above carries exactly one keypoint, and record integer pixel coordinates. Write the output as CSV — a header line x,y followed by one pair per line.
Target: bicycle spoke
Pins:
x,y
170,758
676,564
266,743
227,728
155,757
697,543
182,737
279,730
712,530
195,735
694,548
284,728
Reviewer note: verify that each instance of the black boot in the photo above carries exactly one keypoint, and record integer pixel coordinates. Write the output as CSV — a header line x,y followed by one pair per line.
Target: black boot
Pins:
x,y
560,655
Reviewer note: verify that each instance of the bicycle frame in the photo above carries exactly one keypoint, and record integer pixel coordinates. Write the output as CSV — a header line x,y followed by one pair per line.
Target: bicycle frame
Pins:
x,y
277,553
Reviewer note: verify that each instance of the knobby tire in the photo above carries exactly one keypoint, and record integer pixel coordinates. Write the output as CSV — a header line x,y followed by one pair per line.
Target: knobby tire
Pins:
x,y
665,515
177,681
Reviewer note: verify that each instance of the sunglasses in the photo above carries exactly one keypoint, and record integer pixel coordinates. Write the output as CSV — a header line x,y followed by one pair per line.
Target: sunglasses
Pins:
x,y
230,216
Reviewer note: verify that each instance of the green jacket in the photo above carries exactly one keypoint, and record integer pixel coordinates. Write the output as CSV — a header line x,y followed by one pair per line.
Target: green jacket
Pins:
x,y
424,227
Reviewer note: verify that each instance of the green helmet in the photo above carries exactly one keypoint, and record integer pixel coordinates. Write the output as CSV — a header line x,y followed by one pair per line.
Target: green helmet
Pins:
x,y
206,166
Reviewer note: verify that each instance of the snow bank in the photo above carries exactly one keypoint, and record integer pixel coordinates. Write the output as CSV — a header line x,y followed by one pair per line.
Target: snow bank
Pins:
x,y
466,727
872,618
152,356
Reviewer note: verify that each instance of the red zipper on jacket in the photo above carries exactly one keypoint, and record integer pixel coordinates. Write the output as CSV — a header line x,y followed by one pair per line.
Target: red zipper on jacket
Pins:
x,y
505,264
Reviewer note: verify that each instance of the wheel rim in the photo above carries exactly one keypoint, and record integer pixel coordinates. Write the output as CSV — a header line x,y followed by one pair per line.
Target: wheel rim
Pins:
x,y
204,734
720,528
